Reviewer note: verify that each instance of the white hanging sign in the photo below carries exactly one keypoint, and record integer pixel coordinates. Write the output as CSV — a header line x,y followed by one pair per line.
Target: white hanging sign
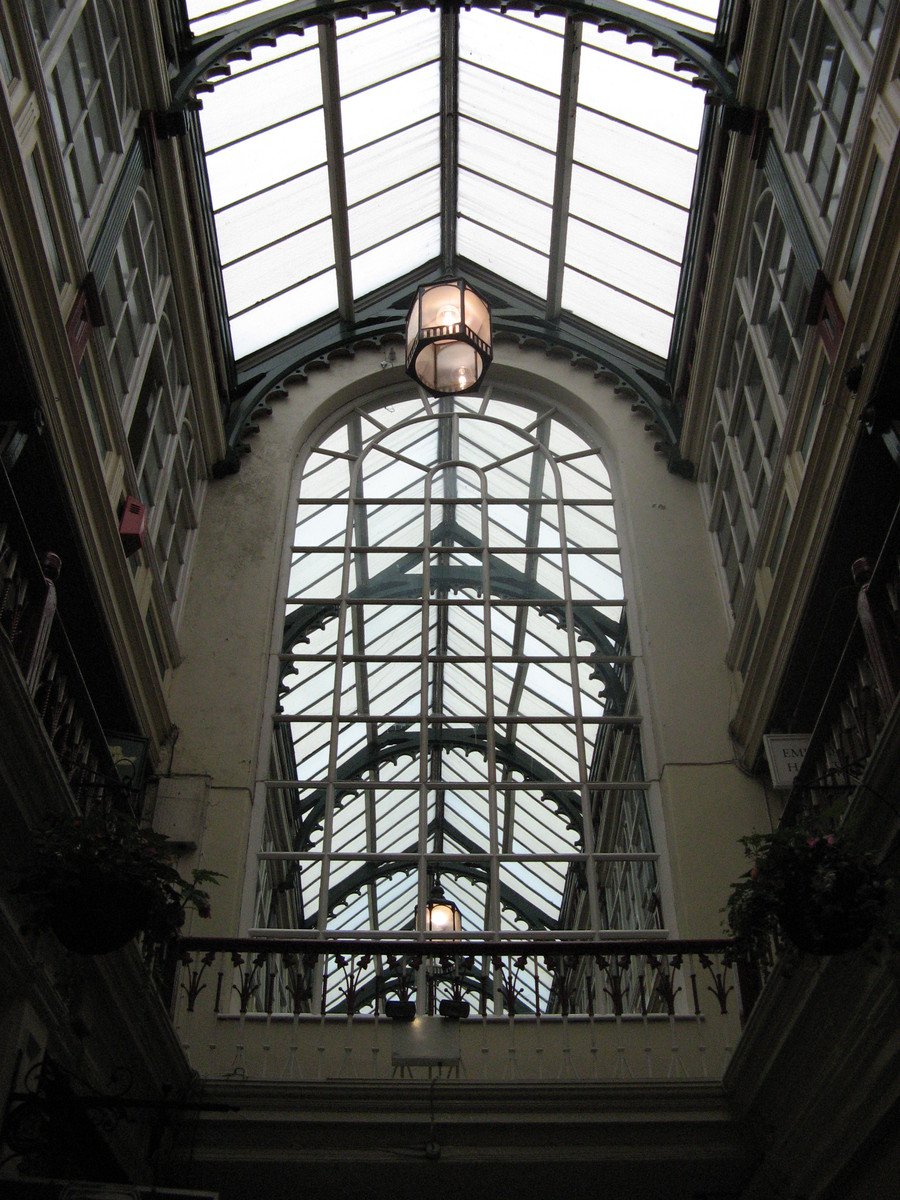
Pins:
x,y
785,753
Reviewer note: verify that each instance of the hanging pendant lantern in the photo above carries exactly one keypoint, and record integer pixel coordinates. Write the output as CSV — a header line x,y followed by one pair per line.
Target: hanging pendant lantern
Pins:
x,y
449,344
441,914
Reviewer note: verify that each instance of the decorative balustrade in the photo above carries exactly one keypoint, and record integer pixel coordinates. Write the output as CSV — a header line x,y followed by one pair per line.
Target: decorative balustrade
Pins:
x,y
862,691
32,627
260,1008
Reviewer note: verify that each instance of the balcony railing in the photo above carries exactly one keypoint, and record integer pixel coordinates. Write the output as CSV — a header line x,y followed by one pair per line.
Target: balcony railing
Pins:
x,y
32,627
862,692
286,1009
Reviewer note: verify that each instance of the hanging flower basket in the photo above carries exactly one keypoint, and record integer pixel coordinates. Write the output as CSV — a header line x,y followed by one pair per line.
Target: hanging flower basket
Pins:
x,y
100,880
810,888
98,914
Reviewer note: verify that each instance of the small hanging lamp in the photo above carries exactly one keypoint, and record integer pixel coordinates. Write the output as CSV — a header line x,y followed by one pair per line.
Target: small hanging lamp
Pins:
x,y
441,914
449,344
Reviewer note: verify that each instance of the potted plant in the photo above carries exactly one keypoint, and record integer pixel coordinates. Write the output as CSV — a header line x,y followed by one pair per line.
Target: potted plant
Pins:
x,y
811,888
99,880
403,1008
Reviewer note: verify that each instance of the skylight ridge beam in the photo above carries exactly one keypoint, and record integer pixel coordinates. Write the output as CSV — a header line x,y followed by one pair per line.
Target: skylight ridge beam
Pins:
x,y
337,178
562,184
449,147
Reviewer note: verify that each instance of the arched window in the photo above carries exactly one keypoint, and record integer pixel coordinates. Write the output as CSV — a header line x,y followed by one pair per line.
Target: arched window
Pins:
x,y
455,697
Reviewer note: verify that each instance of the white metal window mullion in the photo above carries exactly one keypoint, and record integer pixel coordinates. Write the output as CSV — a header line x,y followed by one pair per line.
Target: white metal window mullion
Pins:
x,y
424,723
489,718
592,882
335,722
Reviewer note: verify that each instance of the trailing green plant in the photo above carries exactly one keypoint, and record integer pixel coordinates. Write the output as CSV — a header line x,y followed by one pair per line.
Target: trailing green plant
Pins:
x,y
107,854
811,888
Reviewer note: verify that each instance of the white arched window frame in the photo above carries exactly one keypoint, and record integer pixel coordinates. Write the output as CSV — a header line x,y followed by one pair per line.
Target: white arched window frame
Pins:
x,y
455,696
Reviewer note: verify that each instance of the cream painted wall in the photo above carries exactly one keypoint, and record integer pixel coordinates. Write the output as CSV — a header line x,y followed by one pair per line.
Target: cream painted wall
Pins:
x,y
679,633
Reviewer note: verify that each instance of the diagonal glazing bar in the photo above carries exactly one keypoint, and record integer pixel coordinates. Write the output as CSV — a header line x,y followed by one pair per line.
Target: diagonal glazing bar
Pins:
x,y
337,180
568,103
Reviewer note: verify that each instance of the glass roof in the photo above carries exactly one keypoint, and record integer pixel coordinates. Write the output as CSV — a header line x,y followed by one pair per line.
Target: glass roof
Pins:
x,y
566,155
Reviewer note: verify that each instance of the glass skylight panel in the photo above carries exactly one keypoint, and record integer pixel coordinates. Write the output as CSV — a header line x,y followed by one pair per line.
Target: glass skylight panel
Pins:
x,y
389,160
268,216
631,214
515,262
622,315
399,207
623,266
275,319
509,105
253,279
208,16
260,98
521,46
370,53
696,14
497,155
391,105
618,79
375,267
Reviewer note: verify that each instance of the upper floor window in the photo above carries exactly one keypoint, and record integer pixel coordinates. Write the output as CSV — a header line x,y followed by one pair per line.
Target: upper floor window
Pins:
x,y
455,693
757,375
821,100
868,18
85,73
151,385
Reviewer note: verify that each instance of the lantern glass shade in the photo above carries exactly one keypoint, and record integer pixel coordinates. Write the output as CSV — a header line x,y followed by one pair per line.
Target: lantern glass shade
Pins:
x,y
441,914
448,338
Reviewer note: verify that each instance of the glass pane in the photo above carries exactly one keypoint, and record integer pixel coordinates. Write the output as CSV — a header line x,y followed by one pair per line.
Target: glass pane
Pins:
x,y
621,315
390,106
266,159
517,263
392,159
280,266
500,208
508,105
273,214
404,253
498,156
525,48
398,208
284,314
622,265
632,214
256,99
644,97
373,53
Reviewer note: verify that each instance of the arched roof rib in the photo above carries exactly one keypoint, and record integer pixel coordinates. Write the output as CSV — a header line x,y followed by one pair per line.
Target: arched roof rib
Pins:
x,y
389,747
369,872
596,286
690,49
